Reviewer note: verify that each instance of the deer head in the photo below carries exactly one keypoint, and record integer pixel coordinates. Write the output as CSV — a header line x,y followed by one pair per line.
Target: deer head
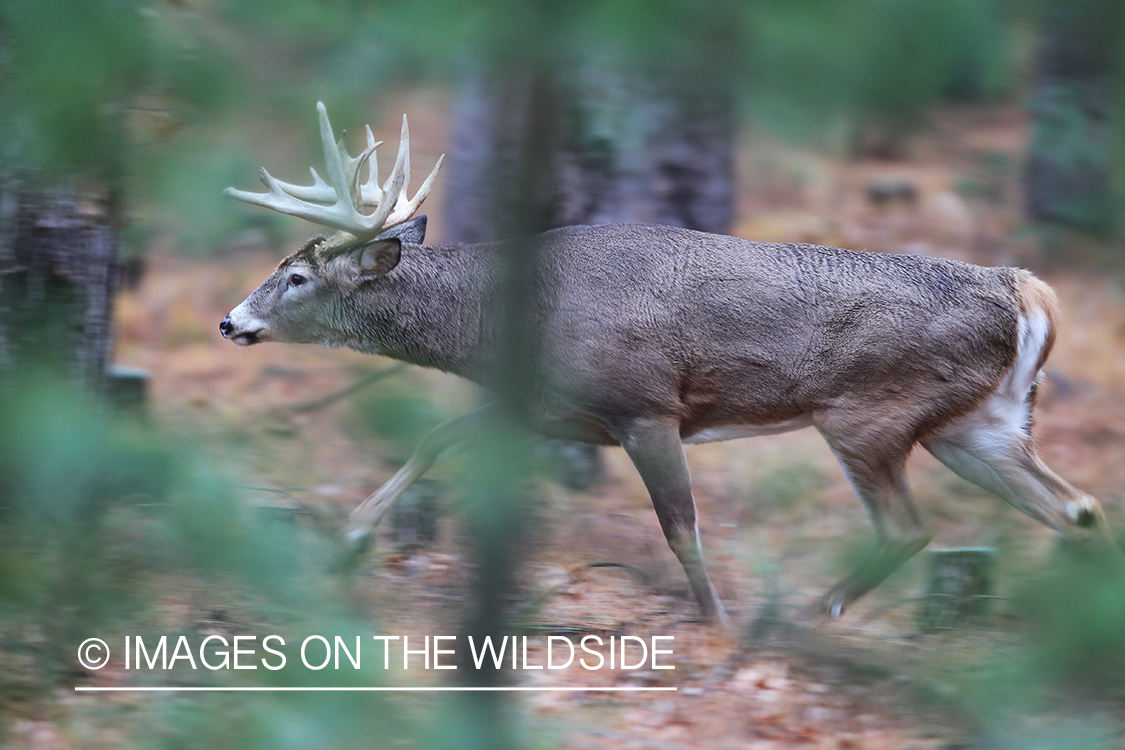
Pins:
x,y
296,303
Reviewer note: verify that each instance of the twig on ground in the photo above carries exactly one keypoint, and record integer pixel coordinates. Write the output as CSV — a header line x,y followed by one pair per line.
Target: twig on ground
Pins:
x,y
355,387
534,606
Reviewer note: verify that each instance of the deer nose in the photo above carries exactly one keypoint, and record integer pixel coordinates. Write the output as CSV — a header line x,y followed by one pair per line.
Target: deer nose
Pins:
x,y
226,327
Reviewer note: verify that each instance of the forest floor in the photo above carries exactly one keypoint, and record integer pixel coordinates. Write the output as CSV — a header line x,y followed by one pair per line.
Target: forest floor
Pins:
x,y
778,519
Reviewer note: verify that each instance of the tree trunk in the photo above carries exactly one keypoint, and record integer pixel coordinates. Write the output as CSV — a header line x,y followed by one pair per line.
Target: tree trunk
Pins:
x,y
626,148
635,149
57,253
1069,179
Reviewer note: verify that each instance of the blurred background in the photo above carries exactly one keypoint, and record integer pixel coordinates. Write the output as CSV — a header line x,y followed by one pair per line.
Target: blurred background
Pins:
x,y
155,479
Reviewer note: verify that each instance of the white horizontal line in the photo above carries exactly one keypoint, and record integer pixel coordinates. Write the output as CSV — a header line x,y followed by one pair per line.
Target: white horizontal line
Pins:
x,y
439,689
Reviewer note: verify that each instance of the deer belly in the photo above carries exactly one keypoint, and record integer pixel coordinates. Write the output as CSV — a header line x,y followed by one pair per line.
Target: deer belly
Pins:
x,y
580,427
719,433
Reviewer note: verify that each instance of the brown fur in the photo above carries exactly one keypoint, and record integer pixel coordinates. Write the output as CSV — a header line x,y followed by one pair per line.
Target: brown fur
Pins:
x,y
645,336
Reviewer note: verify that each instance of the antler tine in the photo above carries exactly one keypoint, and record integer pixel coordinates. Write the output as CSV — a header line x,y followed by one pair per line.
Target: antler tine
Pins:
x,y
404,146
340,201
400,199
364,194
280,200
371,191
427,185
404,207
320,191
407,210
391,188
333,161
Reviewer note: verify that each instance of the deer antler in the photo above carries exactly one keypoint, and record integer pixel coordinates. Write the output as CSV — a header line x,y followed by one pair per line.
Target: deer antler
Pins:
x,y
341,202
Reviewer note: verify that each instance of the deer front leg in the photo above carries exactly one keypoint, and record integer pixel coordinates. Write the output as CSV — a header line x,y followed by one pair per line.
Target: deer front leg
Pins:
x,y
656,451
441,442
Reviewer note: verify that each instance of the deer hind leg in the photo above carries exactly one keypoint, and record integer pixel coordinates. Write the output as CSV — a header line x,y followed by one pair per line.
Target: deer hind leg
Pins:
x,y
875,466
655,449
992,447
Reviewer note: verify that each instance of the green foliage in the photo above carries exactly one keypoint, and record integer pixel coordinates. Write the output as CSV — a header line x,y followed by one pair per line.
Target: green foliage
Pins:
x,y
399,415
70,71
796,61
198,216
880,60
65,62
63,469
83,80
1077,615
785,486
104,521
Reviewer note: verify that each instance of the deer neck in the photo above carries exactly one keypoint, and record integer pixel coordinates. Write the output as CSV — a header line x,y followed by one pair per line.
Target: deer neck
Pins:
x,y
429,311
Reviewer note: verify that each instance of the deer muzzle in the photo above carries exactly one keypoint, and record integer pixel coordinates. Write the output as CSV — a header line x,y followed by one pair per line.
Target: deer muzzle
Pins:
x,y
243,333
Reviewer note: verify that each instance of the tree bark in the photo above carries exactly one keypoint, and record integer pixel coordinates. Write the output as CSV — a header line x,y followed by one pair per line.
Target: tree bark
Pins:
x,y
1069,176
626,148
58,246
640,150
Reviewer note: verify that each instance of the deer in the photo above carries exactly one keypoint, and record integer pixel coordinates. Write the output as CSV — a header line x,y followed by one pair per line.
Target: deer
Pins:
x,y
652,337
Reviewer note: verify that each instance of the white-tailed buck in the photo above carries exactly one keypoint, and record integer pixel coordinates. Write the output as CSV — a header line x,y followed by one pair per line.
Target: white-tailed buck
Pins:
x,y
649,337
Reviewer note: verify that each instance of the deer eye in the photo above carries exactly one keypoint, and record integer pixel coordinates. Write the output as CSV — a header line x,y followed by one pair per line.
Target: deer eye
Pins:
x,y
296,279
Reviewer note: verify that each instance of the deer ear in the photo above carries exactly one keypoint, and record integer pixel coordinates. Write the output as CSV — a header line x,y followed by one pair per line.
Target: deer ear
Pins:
x,y
378,257
412,232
